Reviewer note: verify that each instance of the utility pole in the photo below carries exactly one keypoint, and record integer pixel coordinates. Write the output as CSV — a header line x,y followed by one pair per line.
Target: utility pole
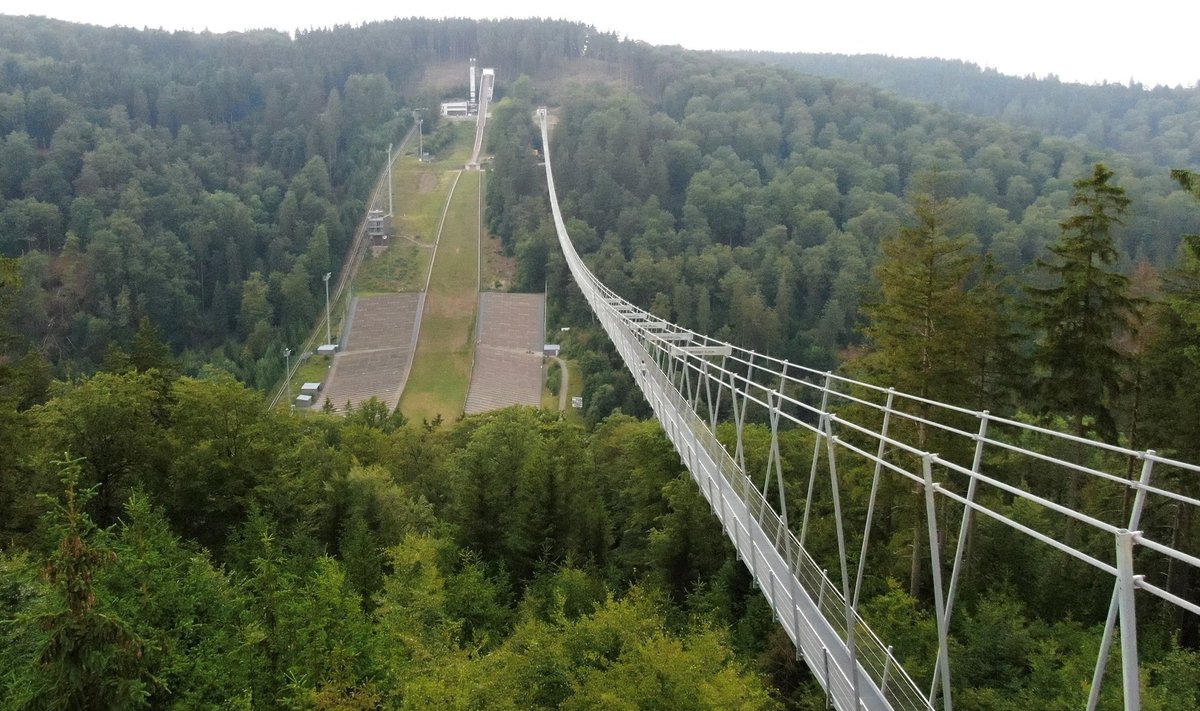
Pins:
x,y
328,335
389,160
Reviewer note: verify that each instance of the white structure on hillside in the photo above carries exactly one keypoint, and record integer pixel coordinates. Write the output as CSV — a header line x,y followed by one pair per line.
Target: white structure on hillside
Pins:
x,y
472,100
470,107
377,228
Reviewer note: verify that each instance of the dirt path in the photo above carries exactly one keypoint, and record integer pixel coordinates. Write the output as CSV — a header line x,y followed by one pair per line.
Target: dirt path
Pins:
x,y
564,383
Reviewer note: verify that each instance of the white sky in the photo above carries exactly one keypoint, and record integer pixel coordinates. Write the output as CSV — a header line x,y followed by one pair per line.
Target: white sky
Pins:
x,y
1079,40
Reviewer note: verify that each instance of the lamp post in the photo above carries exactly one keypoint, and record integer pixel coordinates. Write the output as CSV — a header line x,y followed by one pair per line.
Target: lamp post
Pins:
x,y
420,135
328,335
287,360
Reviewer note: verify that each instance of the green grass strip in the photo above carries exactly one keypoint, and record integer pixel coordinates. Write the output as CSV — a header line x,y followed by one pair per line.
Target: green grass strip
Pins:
x,y
441,370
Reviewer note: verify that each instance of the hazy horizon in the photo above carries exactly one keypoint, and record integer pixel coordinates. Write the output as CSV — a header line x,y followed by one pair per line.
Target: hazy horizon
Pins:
x,y
1088,48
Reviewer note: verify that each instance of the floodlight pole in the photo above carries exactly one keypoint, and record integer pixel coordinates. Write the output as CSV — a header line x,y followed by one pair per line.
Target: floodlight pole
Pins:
x,y
328,335
287,360
389,161
420,134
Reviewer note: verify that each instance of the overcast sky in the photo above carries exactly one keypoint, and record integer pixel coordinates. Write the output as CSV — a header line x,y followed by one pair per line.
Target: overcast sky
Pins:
x,y
1087,41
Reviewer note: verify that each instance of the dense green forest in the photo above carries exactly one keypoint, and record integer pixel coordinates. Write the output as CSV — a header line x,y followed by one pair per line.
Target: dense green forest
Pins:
x,y
1160,124
758,205
205,182
169,202
212,553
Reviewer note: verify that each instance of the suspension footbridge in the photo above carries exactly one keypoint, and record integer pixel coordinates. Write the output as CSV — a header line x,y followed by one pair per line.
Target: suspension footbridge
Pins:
x,y
694,383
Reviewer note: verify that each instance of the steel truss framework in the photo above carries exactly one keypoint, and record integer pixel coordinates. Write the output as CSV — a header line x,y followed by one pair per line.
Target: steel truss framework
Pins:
x,y
694,383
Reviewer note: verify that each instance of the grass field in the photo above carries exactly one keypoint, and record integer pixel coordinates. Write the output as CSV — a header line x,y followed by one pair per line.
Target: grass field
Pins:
x,y
419,189
401,267
441,370
313,370
418,196
576,390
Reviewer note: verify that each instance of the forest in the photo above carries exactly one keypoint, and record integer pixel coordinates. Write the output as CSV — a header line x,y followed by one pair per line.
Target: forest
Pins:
x,y
170,201
1157,123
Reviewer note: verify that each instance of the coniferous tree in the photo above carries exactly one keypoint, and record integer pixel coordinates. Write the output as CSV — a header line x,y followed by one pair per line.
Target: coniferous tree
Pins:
x,y
1172,365
90,658
1077,364
992,341
919,327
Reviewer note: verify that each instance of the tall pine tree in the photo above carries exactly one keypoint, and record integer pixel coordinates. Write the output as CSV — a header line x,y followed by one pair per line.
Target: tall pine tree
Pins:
x,y
1077,364
918,328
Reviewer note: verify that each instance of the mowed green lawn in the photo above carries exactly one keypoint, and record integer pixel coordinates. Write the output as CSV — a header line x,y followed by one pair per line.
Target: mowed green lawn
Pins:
x,y
441,370
313,370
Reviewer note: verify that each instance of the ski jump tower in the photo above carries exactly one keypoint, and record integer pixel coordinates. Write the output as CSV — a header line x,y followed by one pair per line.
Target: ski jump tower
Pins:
x,y
472,99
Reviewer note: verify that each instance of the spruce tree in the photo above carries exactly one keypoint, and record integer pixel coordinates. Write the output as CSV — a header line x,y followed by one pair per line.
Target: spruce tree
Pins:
x,y
1077,364
995,362
90,658
918,328
1173,351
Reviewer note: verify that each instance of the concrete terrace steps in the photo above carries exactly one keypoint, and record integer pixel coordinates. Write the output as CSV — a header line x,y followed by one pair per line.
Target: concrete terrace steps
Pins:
x,y
377,351
510,332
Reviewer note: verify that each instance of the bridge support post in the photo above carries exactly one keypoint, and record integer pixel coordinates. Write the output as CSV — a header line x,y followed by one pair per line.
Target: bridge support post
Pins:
x,y
964,529
775,463
822,428
882,450
825,658
1110,624
887,668
1126,585
839,527
935,565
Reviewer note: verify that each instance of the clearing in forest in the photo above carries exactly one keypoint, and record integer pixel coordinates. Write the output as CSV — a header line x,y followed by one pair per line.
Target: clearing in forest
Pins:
x,y
419,194
380,341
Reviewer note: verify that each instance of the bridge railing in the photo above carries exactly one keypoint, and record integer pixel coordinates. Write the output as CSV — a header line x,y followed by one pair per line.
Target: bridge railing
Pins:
x,y
988,466
875,657
801,576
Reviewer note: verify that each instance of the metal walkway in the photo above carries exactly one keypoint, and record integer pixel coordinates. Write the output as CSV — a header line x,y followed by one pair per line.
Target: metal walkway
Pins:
x,y
694,382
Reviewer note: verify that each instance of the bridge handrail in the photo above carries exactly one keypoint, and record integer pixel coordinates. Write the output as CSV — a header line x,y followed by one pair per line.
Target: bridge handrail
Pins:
x,y
802,397
878,660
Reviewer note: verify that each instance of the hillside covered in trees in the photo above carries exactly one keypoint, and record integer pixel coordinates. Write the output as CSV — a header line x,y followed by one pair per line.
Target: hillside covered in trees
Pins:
x,y
765,207
169,202
205,182
1156,123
